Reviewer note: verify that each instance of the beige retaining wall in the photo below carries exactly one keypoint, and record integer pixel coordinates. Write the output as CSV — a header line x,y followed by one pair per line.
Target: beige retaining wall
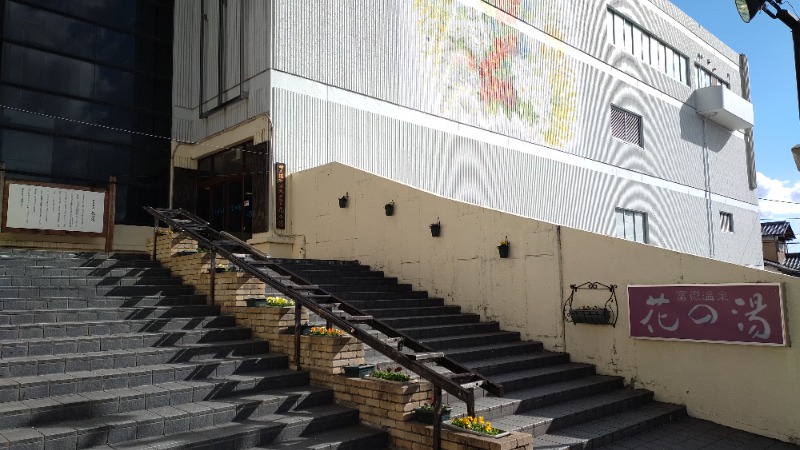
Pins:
x,y
752,388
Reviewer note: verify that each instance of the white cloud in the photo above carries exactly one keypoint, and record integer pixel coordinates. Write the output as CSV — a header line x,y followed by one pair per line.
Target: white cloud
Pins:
x,y
783,191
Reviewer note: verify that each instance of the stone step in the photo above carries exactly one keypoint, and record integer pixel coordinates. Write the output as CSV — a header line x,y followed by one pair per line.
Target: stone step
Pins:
x,y
59,254
354,279
612,428
106,327
381,289
314,269
470,340
428,321
320,427
331,275
123,341
93,291
98,403
79,382
97,263
523,379
562,415
480,352
417,311
492,366
444,329
115,301
78,280
45,271
195,419
378,295
21,317
399,302
76,362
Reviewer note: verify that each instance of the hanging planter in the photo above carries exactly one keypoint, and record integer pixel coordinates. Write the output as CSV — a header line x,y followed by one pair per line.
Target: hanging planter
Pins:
x,y
389,207
436,228
596,316
343,200
504,247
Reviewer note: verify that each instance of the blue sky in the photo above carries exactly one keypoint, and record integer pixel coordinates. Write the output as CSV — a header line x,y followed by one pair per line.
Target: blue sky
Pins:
x,y
768,46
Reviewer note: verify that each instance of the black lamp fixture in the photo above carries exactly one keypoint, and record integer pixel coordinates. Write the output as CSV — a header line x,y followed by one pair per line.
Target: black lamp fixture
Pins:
x,y
749,8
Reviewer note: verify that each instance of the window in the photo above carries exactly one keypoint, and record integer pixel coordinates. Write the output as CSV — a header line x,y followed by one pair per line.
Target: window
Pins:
x,y
706,79
726,222
651,50
626,126
631,225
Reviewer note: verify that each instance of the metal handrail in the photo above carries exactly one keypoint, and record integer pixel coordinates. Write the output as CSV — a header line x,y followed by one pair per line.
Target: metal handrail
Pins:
x,y
460,384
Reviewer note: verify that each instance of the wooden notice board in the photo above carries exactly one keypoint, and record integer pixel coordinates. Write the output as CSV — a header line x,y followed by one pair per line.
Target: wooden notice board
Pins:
x,y
48,208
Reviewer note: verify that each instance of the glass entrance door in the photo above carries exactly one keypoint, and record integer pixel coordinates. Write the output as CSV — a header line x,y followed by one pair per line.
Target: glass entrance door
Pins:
x,y
227,205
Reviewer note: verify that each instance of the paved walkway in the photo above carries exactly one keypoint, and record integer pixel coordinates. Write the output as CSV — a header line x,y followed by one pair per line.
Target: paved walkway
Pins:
x,y
691,433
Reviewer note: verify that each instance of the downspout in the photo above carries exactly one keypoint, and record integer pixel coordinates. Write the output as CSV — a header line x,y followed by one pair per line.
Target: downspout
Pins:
x,y
560,256
707,176
749,142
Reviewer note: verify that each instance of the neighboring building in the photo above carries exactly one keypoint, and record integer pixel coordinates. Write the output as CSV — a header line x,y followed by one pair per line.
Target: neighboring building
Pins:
x,y
86,94
583,114
775,237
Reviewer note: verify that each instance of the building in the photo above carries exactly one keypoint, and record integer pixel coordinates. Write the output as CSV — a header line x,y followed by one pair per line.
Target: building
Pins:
x,y
587,115
85,88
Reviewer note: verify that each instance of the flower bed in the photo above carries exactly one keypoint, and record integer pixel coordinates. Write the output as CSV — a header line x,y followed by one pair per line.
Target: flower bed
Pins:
x,y
475,425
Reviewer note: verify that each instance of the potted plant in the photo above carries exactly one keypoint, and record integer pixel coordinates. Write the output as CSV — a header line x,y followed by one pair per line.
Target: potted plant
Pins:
x,y
503,248
343,200
591,315
359,371
389,207
426,412
436,228
328,332
278,302
475,425
390,375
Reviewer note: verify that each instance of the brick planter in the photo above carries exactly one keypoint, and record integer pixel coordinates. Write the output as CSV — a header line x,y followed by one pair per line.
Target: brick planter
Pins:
x,y
322,354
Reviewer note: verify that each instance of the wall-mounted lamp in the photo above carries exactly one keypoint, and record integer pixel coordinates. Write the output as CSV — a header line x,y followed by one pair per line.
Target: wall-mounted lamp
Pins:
x,y
343,200
436,228
389,208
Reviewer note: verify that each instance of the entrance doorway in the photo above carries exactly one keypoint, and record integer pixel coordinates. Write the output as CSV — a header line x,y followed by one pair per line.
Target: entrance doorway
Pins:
x,y
225,189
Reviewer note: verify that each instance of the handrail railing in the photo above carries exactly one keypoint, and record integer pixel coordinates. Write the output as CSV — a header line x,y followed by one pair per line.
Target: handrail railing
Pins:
x,y
460,382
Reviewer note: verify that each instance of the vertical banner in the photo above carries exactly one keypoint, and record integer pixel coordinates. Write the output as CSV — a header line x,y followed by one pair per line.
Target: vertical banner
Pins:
x,y
280,196
726,313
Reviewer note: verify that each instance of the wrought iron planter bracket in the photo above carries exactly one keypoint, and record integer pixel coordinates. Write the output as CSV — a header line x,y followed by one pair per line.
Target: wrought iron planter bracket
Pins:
x,y
609,312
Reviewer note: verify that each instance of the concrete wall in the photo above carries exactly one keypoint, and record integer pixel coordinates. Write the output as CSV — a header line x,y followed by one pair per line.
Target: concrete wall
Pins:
x,y
753,388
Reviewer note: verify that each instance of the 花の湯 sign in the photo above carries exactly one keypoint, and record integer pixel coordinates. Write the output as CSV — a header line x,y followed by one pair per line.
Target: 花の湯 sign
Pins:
x,y
726,313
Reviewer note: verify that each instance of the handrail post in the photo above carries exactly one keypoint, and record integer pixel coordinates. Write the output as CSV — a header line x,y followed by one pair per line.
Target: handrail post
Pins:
x,y
155,237
437,418
213,274
297,311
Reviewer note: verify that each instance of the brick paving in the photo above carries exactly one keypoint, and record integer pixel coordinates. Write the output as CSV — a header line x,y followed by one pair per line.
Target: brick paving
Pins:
x,y
691,433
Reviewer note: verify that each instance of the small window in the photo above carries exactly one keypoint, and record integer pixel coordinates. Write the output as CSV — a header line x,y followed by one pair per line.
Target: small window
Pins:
x,y
706,78
631,225
626,126
726,222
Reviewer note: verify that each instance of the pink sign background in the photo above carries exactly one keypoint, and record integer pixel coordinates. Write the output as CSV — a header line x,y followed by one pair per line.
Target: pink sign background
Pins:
x,y
736,313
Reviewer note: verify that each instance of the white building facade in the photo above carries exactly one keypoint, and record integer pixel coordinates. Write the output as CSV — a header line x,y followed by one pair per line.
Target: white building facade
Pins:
x,y
585,114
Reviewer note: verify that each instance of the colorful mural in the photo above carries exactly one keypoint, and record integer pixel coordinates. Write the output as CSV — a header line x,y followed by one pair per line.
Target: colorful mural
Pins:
x,y
485,68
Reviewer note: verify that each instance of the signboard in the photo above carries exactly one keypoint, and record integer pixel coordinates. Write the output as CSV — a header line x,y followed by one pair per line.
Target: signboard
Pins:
x,y
280,196
725,313
49,207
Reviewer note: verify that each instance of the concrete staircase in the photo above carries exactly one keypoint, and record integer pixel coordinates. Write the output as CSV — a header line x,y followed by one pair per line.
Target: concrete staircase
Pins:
x,y
562,403
109,351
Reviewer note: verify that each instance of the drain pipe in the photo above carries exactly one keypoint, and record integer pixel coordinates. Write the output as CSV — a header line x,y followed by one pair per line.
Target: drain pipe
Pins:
x,y
560,257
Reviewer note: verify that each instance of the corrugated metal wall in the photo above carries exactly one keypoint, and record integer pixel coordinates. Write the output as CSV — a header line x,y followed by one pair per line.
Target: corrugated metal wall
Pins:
x,y
433,56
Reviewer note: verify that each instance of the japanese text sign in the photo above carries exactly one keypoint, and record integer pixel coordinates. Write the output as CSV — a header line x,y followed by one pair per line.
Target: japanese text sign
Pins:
x,y
729,313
